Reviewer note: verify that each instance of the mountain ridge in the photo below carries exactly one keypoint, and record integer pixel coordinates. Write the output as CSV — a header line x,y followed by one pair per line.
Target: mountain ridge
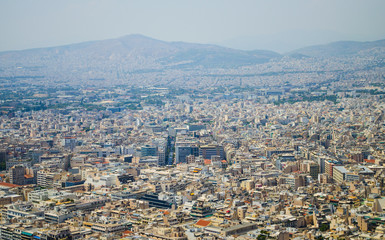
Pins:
x,y
129,37
137,59
148,51
339,48
136,40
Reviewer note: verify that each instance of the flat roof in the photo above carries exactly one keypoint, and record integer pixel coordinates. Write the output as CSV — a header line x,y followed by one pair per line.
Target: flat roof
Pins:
x,y
341,169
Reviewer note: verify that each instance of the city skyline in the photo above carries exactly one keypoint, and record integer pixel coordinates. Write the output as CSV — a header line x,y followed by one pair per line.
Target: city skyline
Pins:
x,y
153,134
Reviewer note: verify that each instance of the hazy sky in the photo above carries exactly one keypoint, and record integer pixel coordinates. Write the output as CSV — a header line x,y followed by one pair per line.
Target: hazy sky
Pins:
x,y
236,23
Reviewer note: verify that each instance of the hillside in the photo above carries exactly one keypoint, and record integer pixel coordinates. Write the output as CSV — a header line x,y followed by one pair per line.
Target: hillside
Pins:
x,y
135,52
143,61
343,49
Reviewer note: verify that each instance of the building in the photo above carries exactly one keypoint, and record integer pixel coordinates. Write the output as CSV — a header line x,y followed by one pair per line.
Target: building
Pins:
x,y
57,216
148,150
182,150
8,199
206,151
110,227
77,161
201,210
329,167
339,174
162,157
283,159
3,159
195,127
314,170
154,201
295,181
69,142
45,178
271,151
11,163
14,231
16,175
321,162
38,195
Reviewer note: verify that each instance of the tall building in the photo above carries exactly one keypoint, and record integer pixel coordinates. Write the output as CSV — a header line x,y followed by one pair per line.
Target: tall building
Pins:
x,y
188,109
314,170
329,167
3,159
69,142
162,157
45,178
339,174
182,150
148,150
321,163
16,175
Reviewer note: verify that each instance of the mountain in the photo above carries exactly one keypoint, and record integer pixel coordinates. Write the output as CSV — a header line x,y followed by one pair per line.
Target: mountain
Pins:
x,y
343,49
136,52
285,41
140,60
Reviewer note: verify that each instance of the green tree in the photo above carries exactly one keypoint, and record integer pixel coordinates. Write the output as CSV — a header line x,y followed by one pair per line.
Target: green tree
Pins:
x,y
262,237
324,227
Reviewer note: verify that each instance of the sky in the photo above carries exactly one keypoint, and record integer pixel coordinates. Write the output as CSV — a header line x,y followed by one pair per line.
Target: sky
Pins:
x,y
279,25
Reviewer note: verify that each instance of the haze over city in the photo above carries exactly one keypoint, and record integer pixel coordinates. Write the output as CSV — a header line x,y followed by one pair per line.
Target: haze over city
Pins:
x,y
278,25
